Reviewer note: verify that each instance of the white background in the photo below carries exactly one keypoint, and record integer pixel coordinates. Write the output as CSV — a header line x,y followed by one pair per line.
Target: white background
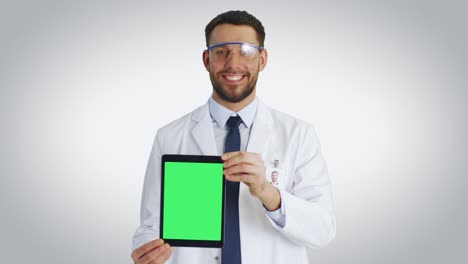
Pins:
x,y
84,87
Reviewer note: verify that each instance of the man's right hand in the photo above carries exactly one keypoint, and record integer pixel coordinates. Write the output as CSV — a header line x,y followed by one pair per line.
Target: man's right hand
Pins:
x,y
154,252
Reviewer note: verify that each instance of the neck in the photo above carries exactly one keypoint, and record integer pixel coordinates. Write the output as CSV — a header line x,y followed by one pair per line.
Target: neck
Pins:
x,y
235,107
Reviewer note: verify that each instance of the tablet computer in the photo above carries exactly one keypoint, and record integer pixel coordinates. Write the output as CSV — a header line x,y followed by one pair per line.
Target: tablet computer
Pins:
x,y
192,201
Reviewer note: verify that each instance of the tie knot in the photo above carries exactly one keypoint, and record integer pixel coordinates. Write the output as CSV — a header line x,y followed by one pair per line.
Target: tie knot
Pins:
x,y
234,122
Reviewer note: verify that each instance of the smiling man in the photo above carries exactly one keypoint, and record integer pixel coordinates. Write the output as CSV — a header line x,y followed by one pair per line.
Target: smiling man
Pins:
x,y
264,223
234,65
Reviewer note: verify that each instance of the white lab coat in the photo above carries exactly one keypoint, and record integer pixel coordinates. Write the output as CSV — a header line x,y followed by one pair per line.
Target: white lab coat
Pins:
x,y
305,188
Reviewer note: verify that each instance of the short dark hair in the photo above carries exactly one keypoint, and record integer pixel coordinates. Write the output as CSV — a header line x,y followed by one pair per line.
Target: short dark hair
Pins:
x,y
236,18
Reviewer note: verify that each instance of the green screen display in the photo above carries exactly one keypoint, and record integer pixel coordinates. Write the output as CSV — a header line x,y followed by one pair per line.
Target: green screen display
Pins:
x,y
193,200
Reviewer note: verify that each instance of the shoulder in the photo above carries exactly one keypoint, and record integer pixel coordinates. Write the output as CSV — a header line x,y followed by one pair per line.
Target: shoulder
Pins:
x,y
284,120
288,128
179,124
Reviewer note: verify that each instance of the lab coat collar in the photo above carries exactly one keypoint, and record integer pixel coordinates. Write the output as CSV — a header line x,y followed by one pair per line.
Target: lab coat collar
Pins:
x,y
203,133
261,129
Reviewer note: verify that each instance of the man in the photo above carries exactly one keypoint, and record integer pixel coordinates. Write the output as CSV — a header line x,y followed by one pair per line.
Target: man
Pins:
x,y
264,224
274,178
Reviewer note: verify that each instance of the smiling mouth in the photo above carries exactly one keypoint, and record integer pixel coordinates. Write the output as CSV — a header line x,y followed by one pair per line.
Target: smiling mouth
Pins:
x,y
233,77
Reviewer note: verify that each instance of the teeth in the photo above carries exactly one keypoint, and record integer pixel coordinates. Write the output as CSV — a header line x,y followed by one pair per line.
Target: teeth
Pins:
x,y
234,77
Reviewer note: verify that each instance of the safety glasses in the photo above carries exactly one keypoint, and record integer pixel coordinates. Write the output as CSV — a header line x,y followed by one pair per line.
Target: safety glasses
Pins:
x,y
222,51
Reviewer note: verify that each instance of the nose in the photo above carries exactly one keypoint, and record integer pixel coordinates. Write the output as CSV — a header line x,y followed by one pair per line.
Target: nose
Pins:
x,y
233,61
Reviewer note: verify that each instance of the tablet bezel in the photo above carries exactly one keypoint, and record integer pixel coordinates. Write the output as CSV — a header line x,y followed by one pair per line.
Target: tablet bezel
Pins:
x,y
188,242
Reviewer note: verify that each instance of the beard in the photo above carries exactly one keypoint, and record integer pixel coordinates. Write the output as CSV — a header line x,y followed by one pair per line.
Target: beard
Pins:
x,y
228,93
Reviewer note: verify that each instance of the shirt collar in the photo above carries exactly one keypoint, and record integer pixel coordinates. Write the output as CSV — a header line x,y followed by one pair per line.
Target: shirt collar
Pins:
x,y
221,114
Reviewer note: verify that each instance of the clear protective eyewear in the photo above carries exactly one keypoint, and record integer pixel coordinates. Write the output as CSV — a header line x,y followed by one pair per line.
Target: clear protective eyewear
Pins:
x,y
222,51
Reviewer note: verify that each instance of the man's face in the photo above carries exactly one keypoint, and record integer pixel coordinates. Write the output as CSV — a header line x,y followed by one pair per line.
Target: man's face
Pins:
x,y
234,79
274,176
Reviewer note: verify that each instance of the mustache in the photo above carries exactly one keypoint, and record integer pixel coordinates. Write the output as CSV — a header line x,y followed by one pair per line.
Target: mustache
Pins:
x,y
233,72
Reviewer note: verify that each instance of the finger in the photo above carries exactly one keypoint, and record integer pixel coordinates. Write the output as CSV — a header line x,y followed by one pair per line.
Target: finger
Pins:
x,y
163,257
139,252
237,178
154,254
243,177
240,169
243,157
229,155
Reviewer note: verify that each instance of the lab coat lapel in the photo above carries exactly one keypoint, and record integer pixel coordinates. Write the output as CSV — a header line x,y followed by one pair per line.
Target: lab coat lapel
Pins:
x,y
249,206
202,131
261,130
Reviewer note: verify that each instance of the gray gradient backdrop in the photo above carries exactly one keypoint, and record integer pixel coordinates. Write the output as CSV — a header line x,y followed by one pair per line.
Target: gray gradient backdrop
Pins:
x,y
85,85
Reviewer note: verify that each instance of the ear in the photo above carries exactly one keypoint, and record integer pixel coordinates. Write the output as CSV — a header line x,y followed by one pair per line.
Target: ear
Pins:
x,y
263,59
206,60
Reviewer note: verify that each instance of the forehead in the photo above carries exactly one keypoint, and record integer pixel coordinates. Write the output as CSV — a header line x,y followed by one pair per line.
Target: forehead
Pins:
x,y
233,33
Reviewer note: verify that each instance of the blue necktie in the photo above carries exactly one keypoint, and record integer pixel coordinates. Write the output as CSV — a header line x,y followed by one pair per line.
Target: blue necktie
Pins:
x,y
231,249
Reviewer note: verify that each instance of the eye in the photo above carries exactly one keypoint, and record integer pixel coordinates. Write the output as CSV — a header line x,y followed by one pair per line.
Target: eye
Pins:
x,y
220,52
247,51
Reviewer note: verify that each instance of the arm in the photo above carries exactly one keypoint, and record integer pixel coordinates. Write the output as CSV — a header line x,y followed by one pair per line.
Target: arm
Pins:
x,y
307,208
148,231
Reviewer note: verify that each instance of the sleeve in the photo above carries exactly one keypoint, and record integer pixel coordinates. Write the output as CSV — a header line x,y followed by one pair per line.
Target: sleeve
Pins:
x,y
309,216
149,210
278,215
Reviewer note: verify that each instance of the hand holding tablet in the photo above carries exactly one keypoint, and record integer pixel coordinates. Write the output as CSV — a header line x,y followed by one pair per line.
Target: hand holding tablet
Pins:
x,y
192,201
155,252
